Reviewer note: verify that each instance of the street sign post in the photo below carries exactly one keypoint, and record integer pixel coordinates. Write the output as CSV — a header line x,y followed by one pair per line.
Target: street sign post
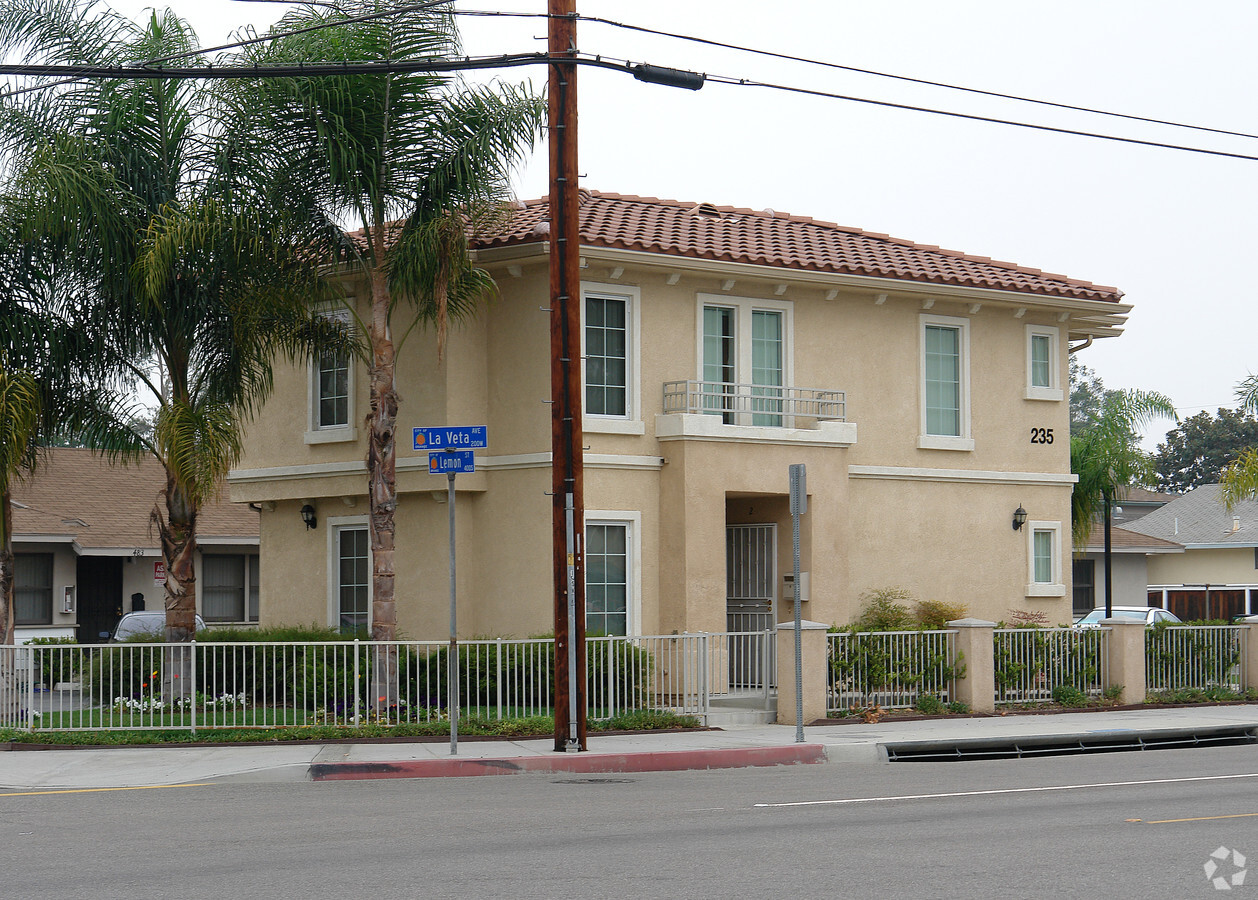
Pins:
x,y
450,453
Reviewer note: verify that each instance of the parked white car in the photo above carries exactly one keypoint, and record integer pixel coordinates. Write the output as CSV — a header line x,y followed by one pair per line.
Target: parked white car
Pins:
x,y
150,623
1150,615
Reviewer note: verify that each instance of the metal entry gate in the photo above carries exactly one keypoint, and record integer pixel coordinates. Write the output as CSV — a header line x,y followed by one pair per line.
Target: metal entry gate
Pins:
x,y
750,582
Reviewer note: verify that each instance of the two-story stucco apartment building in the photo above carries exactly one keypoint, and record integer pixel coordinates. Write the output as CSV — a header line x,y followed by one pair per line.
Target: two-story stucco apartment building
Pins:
x,y
925,390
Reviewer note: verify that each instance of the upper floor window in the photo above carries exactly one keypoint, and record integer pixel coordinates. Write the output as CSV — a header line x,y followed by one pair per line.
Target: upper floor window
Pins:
x,y
945,384
744,358
610,357
1043,381
332,392
32,589
229,588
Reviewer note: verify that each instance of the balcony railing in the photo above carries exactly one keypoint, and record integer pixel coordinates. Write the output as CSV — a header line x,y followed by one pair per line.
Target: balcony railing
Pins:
x,y
755,404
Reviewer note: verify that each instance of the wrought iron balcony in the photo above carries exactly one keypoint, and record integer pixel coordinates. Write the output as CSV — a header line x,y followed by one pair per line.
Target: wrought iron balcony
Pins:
x,y
755,404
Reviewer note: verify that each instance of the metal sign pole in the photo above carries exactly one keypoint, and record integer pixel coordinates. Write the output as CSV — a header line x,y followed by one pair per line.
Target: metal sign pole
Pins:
x,y
799,506
452,663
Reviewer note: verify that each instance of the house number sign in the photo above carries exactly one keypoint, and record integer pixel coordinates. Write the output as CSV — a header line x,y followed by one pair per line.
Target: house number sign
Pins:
x,y
1041,435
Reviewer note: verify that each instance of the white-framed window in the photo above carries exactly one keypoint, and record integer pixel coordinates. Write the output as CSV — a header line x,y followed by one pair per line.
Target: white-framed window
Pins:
x,y
945,383
611,317
613,589
1043,371
745,358
229,587
332,392
349,574
32,589
1044,574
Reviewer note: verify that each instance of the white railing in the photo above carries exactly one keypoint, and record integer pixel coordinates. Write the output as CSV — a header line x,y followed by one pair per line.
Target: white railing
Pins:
x,y
891,669
1195,656
1030,663
141,686
755,404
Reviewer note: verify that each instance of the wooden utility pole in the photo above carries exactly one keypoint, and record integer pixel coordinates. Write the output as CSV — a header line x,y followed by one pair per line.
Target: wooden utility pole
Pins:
x,y
568,519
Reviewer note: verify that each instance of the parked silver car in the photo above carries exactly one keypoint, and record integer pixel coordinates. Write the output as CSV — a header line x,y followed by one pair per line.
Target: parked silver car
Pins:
x,y
1150,615
151,623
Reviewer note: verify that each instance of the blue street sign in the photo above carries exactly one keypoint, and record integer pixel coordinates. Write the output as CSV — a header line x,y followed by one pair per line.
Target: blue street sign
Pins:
x,y
451,462
455,437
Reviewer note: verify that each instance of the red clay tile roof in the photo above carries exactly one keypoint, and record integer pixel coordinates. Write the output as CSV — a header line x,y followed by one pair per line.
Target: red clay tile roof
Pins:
x,y
79,495
780,240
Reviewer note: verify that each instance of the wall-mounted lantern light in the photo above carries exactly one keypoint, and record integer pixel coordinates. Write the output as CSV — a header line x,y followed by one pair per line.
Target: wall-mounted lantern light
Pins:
x,y
1019,517
308,516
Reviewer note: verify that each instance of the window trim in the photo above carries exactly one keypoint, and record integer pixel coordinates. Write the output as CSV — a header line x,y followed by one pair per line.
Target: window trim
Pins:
x,y
327,434
965,440
632,421
632,519
335,525
1056,587
1054,390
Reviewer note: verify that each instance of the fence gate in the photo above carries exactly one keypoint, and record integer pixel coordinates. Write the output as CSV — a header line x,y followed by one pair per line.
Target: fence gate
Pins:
x,y
750,583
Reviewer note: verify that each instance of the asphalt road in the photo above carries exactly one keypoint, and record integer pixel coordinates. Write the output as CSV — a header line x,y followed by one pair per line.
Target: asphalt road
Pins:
x,y
1117,825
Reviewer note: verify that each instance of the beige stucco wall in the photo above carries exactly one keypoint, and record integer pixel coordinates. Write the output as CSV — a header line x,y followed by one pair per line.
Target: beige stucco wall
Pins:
x,y
882,511
1217,566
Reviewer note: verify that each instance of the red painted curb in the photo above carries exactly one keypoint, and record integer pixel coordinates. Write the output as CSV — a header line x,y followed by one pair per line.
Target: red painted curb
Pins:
x,y
583,763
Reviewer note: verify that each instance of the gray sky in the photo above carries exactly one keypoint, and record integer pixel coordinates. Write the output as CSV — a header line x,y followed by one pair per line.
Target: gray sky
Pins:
x,y
1171,229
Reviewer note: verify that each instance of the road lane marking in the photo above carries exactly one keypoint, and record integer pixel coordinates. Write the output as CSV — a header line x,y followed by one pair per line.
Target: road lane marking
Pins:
x,y
1201,819
142,787
998,791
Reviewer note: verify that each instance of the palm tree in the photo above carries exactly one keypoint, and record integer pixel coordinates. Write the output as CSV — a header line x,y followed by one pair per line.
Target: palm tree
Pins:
x,y
1107,460
180,286
20,413
1240,479
411,161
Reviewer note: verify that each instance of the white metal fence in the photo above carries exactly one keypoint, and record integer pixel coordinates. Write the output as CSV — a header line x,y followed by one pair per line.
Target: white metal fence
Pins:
x,y
1195,656
141,686
891,669
1030,663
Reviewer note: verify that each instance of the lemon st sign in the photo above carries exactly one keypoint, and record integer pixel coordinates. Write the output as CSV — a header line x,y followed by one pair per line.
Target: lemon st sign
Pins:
x,y
450,447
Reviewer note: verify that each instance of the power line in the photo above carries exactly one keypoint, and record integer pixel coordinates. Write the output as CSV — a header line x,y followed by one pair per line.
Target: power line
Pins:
x,y
907,78
210,71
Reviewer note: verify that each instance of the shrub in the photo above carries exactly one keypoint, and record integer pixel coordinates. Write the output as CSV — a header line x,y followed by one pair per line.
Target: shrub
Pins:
x,y
56,666
1068,695
885,609
929,704
936,614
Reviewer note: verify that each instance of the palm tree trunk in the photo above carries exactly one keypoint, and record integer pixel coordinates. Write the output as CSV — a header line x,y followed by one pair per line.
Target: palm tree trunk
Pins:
x,y
178,532
382,492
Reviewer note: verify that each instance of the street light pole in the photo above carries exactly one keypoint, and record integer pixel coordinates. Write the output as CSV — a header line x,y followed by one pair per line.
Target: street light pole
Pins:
x,y
567,488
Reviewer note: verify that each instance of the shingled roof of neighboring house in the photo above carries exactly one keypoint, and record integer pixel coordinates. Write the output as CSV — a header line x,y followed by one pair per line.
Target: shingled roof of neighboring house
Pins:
x,y
768,238
80,496
1123,540
1199,517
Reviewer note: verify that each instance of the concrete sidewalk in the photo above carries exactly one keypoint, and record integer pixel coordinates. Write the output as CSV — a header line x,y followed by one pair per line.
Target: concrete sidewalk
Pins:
x,y
855,743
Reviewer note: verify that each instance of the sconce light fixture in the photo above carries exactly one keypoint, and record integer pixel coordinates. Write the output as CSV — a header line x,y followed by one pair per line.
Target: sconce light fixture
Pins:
x,y
1019,518
308,516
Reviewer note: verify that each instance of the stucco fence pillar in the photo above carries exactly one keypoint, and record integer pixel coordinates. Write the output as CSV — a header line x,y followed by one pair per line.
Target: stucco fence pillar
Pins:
x,y
1127,659
812,640
1250,662
975,648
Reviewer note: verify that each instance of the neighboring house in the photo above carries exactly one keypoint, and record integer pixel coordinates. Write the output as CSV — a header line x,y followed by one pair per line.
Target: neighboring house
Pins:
x,y
1217,575
925,390
1130,553
86,553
